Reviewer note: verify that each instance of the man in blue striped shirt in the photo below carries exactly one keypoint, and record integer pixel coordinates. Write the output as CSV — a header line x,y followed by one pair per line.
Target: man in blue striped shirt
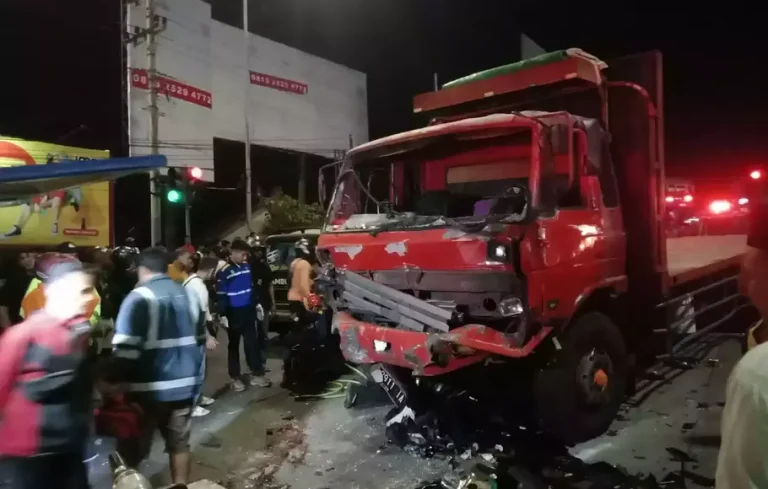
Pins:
x,y
235,302
157,358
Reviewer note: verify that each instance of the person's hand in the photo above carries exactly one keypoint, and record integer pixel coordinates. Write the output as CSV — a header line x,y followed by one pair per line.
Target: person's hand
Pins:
x,y
211,343
259,312
223,322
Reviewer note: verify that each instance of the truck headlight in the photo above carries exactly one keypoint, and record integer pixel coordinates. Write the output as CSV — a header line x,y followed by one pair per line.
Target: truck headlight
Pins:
x,y
511,306
498,252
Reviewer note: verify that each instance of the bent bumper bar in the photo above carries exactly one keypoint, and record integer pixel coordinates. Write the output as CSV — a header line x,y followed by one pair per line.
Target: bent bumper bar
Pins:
x,y
427,353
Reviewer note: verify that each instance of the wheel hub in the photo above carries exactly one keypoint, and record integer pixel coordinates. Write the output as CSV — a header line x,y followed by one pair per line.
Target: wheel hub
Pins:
x,y
594,376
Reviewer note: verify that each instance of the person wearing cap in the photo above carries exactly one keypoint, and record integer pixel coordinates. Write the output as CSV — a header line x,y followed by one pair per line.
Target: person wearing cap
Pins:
x,y
45,384
34,297
238,309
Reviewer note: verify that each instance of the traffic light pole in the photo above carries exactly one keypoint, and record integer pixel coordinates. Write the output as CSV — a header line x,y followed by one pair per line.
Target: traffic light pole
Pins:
x,y
187,197
246,105
155,208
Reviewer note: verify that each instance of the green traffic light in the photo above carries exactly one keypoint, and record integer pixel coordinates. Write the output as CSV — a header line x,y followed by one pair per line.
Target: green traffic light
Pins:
x,y
174,196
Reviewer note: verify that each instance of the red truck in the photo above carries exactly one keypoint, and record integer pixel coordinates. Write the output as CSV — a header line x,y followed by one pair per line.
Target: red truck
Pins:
x,y
523,227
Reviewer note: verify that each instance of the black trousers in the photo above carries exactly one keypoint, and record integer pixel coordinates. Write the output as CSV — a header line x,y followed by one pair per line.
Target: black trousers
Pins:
x,y
65,471
242,324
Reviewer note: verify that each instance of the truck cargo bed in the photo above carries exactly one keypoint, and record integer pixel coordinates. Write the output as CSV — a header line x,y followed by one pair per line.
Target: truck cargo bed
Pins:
x,y
693,257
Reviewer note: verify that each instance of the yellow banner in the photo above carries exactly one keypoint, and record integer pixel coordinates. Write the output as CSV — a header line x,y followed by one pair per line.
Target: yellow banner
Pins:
x,y
81,215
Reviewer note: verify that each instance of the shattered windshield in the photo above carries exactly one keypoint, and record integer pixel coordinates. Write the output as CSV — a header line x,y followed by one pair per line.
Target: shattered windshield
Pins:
x,y
443,182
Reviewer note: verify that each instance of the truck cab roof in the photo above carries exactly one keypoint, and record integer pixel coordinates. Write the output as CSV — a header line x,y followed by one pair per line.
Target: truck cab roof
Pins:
x,y
559,71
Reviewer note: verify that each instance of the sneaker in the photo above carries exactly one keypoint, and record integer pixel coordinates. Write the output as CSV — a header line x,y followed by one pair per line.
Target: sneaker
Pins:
x,y
259,381
206,401
200,411
238,386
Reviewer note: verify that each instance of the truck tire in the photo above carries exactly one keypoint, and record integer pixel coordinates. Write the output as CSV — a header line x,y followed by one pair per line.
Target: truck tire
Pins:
x,y
580,391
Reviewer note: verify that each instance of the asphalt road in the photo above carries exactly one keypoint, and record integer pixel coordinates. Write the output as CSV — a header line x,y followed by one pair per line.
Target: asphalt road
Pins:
x,y
265,438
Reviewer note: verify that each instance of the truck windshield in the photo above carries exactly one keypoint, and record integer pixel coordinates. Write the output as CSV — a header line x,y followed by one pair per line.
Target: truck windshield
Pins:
x,y
442,182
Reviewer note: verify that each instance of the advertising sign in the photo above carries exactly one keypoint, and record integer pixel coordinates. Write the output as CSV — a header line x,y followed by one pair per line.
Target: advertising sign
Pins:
x,y
81,214
282,84
172,88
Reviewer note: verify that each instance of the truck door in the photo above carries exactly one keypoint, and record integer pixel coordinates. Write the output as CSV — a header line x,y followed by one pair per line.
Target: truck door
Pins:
x,y
636,124
578,241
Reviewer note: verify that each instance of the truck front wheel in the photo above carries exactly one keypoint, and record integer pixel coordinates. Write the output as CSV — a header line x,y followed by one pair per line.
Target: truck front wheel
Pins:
x,y
580,391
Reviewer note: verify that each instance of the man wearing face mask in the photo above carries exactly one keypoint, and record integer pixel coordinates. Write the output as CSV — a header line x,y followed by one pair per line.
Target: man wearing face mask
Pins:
x,y
45,385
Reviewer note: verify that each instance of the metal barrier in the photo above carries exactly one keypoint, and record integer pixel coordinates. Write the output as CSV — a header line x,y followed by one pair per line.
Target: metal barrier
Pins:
x,y
721,294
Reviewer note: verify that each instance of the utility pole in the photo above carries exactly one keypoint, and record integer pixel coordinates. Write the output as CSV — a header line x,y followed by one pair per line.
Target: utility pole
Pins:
x,y
187,198
154,119
246,106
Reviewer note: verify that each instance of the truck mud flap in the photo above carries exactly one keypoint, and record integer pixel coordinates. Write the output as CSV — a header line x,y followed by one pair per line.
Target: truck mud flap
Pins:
x,y
364,296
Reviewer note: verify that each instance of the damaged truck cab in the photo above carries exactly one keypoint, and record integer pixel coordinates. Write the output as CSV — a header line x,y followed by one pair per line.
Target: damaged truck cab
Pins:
x,y
526,220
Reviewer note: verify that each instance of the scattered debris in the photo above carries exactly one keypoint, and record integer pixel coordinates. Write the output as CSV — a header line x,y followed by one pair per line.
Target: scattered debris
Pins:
x,y
210,441
285,443
689,426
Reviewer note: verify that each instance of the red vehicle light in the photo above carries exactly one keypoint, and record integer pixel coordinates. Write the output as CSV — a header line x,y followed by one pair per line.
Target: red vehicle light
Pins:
x,y
756,175
743,201
670,199
688,198
719,206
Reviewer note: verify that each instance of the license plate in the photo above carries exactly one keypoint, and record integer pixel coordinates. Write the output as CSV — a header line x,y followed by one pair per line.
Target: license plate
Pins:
x,y
392,387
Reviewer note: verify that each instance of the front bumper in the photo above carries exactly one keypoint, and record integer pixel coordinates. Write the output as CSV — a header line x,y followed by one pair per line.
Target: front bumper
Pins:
x,y
427,354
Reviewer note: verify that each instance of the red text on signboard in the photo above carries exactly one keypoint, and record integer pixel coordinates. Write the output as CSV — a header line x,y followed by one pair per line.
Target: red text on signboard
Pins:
x,y
282,84
172,88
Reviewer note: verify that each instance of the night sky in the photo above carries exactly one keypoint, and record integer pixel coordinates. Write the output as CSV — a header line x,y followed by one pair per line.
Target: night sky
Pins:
x,y
61,61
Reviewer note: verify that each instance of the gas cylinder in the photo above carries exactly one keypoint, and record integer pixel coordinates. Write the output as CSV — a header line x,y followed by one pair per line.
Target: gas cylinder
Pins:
x,y
124,477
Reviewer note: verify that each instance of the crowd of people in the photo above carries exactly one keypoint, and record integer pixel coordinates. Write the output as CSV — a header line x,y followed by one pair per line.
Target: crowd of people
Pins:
x,y
165,310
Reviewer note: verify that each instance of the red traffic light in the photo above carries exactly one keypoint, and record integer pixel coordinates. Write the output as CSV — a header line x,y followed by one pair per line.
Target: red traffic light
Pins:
x,y
756,175
195,173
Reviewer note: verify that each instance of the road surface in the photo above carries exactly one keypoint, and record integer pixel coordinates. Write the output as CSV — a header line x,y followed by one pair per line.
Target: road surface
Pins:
x,y
264,438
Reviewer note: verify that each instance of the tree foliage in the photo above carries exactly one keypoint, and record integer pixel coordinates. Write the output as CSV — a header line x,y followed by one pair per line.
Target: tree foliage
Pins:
x,y
287,213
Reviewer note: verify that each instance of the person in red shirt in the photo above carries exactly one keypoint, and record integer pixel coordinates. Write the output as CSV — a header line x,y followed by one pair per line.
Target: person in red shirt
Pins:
x,y
188,245
45,385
